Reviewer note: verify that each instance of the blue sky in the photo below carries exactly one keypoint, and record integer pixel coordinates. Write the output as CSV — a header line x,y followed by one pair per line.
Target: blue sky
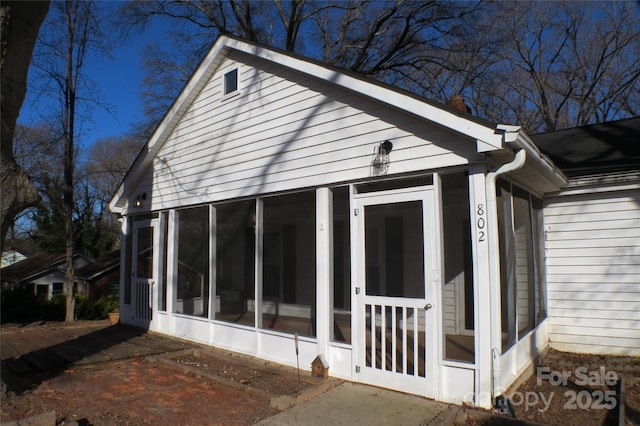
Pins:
x,y
119,81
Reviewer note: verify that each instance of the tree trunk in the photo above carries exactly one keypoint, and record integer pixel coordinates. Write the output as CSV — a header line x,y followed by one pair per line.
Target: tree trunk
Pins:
x,y
20,22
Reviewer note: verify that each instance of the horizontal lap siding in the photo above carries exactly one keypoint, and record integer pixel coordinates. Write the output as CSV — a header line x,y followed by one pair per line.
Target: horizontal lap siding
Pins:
x,y
593,268
285,131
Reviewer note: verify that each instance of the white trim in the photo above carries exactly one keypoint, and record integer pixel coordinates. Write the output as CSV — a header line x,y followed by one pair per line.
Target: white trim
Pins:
x,y
577,189
226,95
494,264
213,261
258,262
425,386
481,287
324,269
394,98
489,136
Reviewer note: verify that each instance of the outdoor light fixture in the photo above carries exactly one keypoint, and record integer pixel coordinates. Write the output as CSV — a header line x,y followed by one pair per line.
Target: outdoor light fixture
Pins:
x,y
140,198
380,163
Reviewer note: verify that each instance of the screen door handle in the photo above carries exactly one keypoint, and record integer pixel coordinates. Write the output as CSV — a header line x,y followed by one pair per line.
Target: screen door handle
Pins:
x,y
428,306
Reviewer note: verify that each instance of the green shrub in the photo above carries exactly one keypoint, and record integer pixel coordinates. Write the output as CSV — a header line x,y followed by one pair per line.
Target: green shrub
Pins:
x,y
108,304
85,309
56,308
95,309
20,305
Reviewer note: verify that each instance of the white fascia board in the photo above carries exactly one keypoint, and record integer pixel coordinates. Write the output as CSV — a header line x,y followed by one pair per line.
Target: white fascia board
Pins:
x,y
516,137
113,203
488,139
197,80
507,134
470,128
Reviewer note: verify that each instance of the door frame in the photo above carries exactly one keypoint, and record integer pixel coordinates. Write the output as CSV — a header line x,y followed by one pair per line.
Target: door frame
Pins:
x,y
135,280
424,386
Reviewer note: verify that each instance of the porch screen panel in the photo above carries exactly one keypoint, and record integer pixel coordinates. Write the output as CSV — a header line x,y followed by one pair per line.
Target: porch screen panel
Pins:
x,y
144,261
235,259
341,330
192,290
522,274
289,263
457,293
162,284
523,237
540,274
128,260
507,264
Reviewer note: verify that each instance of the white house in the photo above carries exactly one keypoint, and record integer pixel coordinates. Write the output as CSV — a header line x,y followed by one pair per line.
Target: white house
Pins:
x,y
283,199
592,230
44,273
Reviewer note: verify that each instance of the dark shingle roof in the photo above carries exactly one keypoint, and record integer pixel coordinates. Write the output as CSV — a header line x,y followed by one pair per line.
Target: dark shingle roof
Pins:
x,y
31,266
609,147
103,264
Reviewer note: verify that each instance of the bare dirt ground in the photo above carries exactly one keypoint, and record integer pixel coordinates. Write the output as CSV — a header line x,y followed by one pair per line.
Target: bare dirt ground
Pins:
x,y
572,390
580,390
93,374
137,379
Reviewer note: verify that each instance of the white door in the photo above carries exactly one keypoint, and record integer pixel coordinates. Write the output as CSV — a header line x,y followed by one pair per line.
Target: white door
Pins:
x,y
396,244
143,272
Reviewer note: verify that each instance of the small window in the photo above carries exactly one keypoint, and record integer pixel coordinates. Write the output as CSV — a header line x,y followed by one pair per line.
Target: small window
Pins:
x,y
231,81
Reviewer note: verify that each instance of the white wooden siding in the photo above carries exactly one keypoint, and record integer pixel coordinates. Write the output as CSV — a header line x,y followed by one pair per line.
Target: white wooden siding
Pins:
x,y
523,280
450,316
284,131
593,267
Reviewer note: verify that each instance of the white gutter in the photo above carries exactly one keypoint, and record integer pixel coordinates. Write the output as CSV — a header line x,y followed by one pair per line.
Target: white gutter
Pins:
x,y
514,137
494,262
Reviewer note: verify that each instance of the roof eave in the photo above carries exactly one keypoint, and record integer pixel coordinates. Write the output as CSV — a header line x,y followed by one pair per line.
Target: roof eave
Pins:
x,y
486,136
514,136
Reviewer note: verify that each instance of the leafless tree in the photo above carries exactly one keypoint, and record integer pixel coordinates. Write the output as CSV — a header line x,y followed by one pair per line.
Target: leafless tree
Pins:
x,y
195,24
19,25
398,42
543,65
72,33
563,64
108,161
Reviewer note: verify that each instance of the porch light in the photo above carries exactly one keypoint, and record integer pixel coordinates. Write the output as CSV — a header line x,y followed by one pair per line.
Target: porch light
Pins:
x,y
140,198
380,163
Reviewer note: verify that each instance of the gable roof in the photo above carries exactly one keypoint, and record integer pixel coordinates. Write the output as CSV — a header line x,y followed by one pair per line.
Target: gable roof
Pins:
x,y
31,267
488,136
34,266
610,147
104,264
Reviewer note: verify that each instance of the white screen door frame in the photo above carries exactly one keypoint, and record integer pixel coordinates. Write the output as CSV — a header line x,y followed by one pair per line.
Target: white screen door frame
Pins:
x,y
395,289
144,268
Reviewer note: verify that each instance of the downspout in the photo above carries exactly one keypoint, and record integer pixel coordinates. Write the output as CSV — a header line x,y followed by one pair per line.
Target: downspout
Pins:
x,y
494,263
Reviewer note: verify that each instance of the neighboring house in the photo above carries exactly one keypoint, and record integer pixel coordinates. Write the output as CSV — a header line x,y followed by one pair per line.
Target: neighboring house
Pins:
x,y
284,204
45,273
102,277
10,257
592,232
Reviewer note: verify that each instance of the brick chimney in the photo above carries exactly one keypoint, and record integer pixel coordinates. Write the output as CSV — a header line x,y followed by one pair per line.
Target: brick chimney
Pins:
x,y
458,103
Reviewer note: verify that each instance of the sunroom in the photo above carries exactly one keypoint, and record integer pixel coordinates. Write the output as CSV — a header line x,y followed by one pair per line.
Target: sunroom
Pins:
x,y
282,203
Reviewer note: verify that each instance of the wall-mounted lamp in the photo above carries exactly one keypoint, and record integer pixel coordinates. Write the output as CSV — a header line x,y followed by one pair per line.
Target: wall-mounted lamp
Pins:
x,y
140,198
380,163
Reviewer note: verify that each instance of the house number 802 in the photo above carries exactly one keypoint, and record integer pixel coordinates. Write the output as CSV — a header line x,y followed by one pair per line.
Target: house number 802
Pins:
x,y
480,222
